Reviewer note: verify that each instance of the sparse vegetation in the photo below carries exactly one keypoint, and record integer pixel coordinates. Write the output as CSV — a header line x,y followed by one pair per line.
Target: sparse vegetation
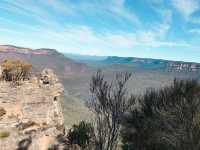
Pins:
x,y
15,70
4,134
81,134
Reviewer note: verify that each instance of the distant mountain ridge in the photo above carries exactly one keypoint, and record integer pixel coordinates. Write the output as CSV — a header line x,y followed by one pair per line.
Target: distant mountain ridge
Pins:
x,y
22,50
43,58
68,64
154,63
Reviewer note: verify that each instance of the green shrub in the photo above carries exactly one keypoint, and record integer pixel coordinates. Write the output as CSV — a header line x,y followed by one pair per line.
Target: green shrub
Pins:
x,y
168,119
81,134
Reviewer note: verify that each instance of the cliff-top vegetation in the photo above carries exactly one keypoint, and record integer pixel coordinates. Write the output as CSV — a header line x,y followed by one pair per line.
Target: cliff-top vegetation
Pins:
x,y
15,70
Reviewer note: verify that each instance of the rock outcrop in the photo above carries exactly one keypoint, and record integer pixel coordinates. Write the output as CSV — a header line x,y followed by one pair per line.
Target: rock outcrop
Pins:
x,y
183,66
31,114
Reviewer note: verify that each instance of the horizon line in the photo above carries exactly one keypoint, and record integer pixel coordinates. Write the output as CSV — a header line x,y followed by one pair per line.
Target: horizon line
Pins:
x,y
100,55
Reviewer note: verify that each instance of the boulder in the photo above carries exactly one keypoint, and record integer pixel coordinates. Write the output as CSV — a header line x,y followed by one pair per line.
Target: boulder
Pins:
x,y
48,76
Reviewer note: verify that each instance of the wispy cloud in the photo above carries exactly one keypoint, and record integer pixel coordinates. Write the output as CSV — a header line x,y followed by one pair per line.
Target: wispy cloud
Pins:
x,y
196,31
84,39
114,7
118,7
186,7
27,9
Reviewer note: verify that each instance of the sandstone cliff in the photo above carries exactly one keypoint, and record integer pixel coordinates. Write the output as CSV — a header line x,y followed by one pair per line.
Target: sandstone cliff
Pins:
x,y
183,66
31,113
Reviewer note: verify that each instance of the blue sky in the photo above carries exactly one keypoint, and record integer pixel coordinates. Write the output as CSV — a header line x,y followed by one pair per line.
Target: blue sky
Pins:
x,y
167,29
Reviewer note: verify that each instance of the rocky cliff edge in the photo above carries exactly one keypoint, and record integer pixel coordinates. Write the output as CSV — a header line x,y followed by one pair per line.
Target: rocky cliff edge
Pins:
x,y
31,115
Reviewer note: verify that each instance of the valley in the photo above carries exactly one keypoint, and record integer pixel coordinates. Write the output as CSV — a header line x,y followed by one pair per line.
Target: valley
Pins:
x,y
75,74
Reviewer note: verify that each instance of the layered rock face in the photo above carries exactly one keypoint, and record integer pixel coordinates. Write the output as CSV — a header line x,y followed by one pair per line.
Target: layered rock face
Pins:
x,y
188,67
31,113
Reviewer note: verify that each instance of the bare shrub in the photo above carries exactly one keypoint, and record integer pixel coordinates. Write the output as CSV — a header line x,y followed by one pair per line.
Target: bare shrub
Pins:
x,y
109,102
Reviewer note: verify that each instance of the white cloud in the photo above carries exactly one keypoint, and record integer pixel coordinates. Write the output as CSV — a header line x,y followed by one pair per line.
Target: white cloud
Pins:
x,y
186,7
84,38
196,31
60,6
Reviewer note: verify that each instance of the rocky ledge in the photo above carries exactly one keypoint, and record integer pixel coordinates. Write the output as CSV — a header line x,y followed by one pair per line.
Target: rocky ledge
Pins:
x,y
30,113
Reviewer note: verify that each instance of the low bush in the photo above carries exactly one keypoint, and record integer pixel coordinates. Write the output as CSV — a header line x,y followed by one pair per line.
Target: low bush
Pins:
x,y
81,134
15,70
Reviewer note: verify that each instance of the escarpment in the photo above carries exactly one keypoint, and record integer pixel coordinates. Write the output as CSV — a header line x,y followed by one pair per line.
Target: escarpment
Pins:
x,y
31,115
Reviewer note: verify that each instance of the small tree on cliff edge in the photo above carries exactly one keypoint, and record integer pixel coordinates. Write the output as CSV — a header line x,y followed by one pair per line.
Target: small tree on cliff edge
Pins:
x,y
109,102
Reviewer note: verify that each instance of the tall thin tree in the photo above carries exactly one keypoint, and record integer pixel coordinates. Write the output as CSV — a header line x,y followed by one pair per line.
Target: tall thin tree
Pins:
x,y
109,101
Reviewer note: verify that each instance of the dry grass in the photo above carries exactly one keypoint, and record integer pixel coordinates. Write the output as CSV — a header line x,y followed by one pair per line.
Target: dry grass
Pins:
x,y
4,134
